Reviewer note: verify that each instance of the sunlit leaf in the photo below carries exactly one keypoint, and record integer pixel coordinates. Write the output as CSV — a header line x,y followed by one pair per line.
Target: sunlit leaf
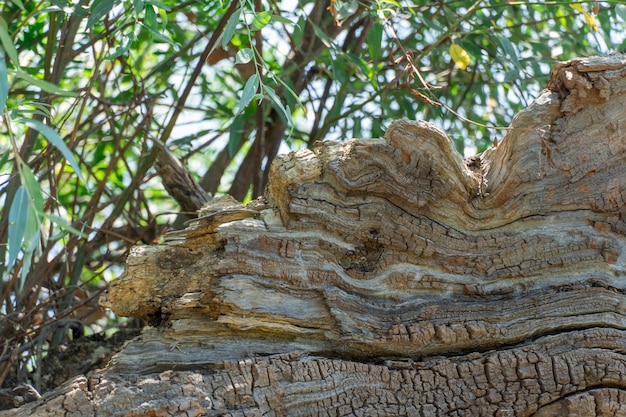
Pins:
x,y
459,56
261,20
589,18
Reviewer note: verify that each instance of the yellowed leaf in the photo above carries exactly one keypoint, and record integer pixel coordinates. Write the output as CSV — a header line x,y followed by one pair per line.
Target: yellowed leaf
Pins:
x,y
460,56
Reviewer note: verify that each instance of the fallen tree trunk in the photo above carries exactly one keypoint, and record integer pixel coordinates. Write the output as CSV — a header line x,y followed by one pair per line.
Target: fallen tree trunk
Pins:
x,y
392,277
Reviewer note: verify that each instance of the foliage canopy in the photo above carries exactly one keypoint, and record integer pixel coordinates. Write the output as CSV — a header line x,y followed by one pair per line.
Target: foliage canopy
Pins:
x,y
94,93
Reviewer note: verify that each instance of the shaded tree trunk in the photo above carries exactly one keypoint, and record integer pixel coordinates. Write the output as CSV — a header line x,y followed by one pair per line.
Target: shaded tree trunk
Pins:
x,y
392,277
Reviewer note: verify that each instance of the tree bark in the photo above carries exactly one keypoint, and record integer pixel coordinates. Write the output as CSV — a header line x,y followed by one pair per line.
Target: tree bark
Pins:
x,y
392,277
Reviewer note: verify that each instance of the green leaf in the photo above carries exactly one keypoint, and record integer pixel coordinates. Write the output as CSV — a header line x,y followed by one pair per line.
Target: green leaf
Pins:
x,y
138,6
4,159
283,110
55,140
99,9
509,49
298,31
7,43
357,131
150,19
347,9
620,9
249,91
158,35
261,20
326,40
244,56
44,85
65,225
234,135
123,48
374,41
229,30
4,83
19,4
18,215
278,18
163,14
32,187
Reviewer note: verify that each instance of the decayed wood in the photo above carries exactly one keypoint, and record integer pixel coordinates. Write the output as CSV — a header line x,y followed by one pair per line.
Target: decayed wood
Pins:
x,y
392,277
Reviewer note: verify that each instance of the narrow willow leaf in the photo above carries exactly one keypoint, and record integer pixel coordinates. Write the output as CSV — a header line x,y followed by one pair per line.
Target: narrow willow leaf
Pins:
x,y
326,40
99,9
64,225
509,50
283,109
249,91
18,215
32,187
163,15
229,30
459,56
158,35
4,158
374,41
261,20
56,141
234,135
4,83
44,85
280,19
7,43
150,19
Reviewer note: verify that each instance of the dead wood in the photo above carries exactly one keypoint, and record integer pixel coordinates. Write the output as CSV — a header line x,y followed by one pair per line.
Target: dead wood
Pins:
x,y
392,277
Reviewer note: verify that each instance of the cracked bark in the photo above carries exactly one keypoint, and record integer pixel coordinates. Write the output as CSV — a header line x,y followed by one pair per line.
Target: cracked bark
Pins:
x,y
390,277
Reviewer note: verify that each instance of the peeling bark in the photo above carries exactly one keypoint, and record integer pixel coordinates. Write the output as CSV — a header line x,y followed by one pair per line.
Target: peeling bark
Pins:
x,y
392,277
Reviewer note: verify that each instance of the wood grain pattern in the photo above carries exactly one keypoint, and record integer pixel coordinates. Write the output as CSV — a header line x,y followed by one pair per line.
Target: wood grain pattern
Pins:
x,y
391,277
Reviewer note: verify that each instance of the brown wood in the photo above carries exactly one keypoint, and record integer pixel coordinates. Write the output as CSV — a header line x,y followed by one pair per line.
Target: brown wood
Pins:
x,y
392,277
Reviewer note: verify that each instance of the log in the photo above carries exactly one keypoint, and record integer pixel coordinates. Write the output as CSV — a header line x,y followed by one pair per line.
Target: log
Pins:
x,y
392,277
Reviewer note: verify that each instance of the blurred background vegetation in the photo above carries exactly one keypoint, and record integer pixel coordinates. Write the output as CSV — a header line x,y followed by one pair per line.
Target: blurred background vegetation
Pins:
x,y
104,102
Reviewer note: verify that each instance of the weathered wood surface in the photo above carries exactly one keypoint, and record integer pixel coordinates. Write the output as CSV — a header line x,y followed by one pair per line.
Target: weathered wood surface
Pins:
x,y
392,277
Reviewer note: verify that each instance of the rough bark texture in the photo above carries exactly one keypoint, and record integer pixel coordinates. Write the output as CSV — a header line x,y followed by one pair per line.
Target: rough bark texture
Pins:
x,y
392,277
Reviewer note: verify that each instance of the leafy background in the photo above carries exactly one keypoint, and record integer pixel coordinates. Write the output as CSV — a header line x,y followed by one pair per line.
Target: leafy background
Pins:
x,y
94,95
